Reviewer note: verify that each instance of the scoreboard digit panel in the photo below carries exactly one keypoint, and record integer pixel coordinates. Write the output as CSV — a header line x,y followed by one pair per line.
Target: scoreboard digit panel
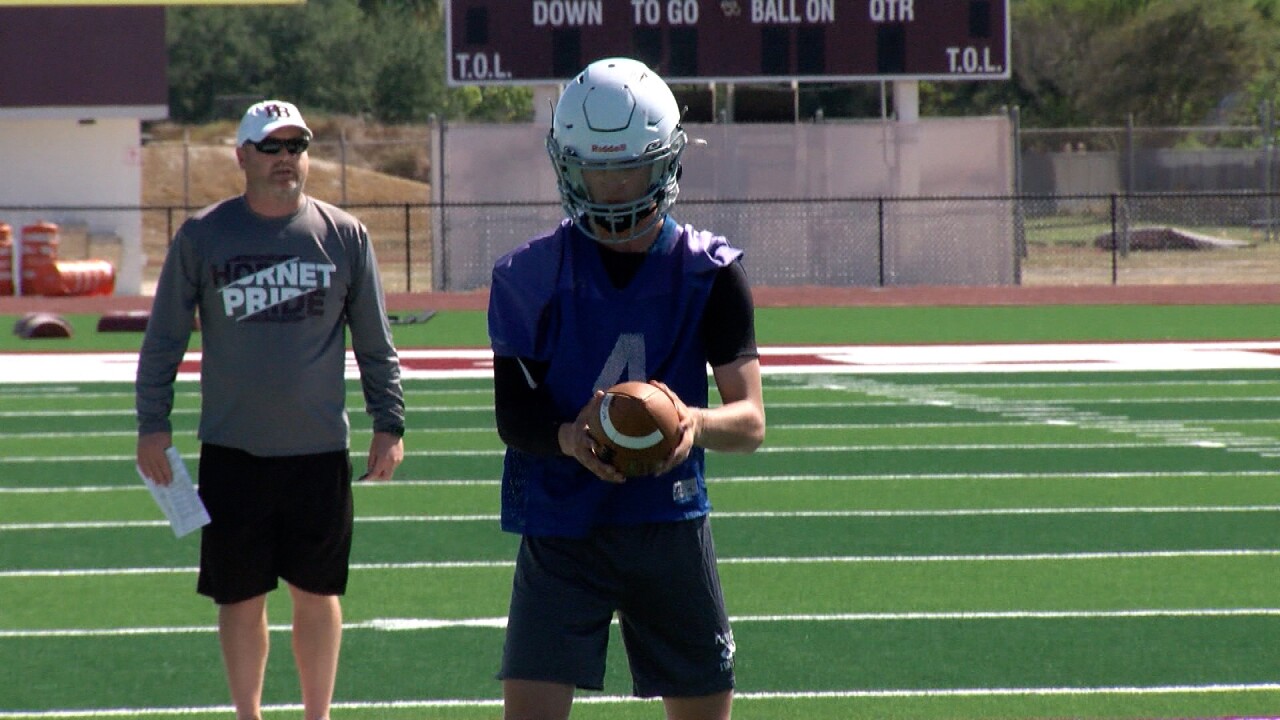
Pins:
x,y
514,42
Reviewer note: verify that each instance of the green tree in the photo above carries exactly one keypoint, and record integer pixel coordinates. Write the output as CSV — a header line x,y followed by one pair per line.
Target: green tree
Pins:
x,y
326,55
1173,63
1093,62
1074,62
212,52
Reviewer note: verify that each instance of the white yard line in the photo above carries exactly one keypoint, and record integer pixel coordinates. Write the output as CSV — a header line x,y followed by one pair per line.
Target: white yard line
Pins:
x,y
500,623
820,359
728,515
865,694
778,560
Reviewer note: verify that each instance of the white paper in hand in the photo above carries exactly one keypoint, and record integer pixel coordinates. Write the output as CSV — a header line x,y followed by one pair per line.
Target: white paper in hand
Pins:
x,y
178,500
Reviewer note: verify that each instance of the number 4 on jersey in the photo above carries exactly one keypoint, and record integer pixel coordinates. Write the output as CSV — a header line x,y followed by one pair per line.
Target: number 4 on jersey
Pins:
x,y
626,362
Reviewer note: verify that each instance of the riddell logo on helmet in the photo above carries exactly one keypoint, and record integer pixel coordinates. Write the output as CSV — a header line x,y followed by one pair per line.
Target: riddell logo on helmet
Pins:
x,y
621,147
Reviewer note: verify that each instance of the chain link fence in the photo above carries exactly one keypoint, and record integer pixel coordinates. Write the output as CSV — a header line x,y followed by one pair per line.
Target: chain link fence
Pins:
x,y
1148,239
1101,239
1091,206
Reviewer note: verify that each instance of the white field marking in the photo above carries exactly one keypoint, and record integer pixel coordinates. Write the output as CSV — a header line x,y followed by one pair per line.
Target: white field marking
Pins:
x,y
134,433
123,412
20,435
87,489
780,560
37,459
1186,439
1018,423
20,392
998,512
872,694
69,390
1117,383
743,515
1159,400
114,412
994,358
828,360
1019,384
1219,475
428,409
1168,432
84,413
908,477
937,402
1114,400
29,459
940,447
500,623
139,487
1135,614
1049,403
1031,557
78,392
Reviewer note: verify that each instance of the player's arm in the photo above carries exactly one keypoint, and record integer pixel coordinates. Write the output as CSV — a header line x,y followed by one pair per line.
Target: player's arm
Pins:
x,y
737,425
522,406
526,420
728,330
728,333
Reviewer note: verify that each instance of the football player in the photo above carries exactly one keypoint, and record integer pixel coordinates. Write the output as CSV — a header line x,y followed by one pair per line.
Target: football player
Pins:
x,y
619,291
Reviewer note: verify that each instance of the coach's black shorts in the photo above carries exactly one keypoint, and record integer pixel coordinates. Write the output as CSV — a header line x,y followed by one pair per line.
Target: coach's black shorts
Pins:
x,y
661,579
274,517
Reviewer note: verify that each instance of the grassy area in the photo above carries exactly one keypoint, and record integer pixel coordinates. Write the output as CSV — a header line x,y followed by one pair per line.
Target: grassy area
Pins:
x,y
1061,250
832,325
883,556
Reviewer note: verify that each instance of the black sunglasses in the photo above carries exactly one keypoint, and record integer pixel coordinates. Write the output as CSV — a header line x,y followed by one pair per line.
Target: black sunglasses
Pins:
x,y
272,146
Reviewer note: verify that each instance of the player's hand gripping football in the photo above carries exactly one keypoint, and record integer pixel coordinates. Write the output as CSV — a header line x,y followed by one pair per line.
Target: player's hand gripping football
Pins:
x,y
689,428
577,443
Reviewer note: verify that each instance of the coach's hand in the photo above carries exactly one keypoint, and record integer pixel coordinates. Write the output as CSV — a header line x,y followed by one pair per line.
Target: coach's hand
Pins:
x,y
386,451
151,458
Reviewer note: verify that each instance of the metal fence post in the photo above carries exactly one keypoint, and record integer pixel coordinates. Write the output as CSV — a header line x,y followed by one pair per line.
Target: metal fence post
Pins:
x,y
437,205
408,252
1019,213
186,168
880,217
1115,241
342,162
1268,153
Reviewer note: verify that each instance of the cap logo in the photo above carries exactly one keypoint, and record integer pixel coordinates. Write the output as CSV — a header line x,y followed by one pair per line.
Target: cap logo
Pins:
x,y
276,111
621,147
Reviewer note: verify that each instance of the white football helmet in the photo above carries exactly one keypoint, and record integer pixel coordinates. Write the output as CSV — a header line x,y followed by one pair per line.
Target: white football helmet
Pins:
x,y
617,114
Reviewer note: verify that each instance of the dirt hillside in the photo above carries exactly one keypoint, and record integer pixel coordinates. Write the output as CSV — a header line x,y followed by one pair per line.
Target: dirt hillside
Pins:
x,y
204,174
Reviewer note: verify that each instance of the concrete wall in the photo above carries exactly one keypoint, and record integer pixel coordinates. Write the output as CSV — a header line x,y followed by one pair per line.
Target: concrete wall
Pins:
x,y
63,162
818,220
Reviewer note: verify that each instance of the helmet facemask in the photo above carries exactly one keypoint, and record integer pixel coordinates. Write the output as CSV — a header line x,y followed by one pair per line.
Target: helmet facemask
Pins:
x,y
616,115
614,223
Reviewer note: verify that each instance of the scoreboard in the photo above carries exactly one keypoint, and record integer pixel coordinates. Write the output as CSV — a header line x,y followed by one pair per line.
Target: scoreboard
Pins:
x,y
525,42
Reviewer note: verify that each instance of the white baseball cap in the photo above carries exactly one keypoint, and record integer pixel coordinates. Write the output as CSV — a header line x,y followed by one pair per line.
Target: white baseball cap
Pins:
x,y
266,117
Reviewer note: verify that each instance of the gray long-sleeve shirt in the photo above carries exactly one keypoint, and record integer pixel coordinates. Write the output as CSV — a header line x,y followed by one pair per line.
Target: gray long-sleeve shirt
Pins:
x,y
275,297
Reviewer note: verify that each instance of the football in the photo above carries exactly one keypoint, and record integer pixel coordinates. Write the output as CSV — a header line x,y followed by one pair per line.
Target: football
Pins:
x,y
637,425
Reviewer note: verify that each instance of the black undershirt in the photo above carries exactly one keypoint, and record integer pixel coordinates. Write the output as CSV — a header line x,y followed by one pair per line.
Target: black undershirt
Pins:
x,y
524,414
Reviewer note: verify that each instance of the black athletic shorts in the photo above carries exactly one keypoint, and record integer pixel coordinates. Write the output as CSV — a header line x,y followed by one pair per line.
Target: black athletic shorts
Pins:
x,y
274,517
660,578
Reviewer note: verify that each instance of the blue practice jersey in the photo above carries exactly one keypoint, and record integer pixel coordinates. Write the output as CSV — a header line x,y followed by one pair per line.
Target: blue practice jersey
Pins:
x,y
551,301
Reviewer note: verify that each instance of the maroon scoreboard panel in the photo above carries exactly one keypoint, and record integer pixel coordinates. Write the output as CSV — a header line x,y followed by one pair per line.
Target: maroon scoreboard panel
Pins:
x,y
525,42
